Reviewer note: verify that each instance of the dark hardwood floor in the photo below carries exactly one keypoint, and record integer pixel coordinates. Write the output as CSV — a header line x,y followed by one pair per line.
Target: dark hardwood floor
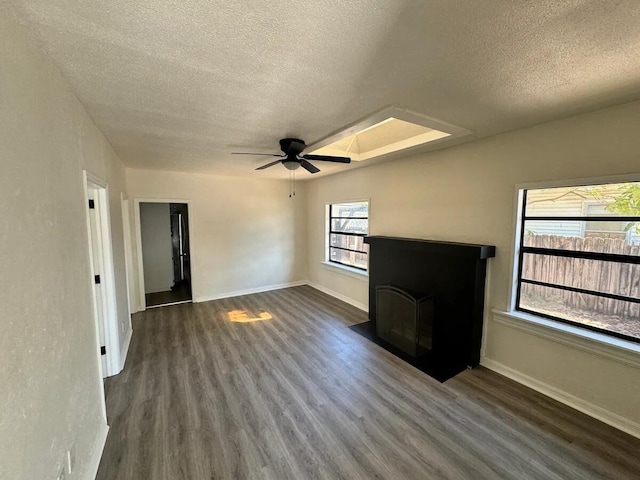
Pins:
x,y
181,294
301,396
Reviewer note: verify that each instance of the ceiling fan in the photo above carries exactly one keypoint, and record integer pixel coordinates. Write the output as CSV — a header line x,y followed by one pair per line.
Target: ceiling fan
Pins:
x,y
293,158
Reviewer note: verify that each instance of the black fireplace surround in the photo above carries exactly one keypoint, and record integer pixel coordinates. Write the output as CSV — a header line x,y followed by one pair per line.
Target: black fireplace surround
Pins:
x,y
445,283
404,320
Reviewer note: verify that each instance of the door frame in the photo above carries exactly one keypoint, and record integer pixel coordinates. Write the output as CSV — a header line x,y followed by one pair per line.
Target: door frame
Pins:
x,y
138,231
128,252
107,277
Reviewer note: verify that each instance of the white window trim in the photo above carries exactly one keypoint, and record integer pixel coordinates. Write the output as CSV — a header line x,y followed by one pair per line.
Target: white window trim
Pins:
x,y
585,209
611,347
356,273
344,269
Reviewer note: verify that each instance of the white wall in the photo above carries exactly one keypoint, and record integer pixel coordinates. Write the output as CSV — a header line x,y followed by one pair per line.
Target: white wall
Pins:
x,y
155,227
49,373
246,233
467,194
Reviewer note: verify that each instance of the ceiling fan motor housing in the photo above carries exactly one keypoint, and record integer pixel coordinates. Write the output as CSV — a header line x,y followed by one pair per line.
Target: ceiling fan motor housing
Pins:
x,y
292,146
293,158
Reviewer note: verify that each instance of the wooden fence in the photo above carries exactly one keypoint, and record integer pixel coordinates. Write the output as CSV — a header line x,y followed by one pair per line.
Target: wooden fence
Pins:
x,y
608,277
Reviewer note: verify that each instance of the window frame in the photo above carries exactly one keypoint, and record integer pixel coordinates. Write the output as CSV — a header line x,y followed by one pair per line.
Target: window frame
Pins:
x,y
330,231
521,250
585,211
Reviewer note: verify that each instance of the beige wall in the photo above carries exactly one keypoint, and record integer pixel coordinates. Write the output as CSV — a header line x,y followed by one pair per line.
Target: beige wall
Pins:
x,y
246,233
49,373
467,194
157,250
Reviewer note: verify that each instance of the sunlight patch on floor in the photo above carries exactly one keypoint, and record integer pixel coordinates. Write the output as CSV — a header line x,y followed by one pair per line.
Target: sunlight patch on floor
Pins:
x,y
241,316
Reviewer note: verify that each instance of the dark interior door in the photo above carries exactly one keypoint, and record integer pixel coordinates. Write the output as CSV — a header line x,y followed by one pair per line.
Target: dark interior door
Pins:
x,y
186,254
180,246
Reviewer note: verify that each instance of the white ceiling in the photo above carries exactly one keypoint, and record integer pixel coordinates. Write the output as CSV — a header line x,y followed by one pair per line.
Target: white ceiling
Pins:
x,y
178,84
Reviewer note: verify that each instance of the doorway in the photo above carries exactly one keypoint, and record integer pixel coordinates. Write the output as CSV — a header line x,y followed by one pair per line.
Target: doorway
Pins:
x,y
102,278
97,269
166,255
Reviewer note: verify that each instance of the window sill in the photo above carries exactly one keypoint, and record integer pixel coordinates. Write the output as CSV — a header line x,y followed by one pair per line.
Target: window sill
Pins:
x,y
348,271
612,348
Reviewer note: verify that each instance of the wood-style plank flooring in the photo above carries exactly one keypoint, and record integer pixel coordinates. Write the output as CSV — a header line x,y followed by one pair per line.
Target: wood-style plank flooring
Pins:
x,y
181,294
300,396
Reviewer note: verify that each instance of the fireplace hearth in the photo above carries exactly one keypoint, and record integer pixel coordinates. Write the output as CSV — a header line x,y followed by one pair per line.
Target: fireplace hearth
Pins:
x,y
426,301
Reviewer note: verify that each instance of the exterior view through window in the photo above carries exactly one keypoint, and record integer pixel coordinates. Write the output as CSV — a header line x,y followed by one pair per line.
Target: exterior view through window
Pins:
x,y
580,257
348,225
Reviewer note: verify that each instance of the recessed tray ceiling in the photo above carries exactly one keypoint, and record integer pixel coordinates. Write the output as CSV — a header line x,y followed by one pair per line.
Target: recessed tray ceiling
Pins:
x,y
391,130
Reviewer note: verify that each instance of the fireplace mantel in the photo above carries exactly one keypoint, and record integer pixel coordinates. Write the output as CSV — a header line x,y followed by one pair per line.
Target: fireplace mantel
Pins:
x,y
467,250
454,273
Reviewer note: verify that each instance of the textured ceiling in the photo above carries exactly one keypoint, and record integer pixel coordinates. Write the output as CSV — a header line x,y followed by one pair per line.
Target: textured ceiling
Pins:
x,y
178,84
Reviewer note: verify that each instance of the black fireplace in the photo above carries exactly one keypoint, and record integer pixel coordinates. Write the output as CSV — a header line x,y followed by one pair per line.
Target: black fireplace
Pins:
x,y
426,301
404,320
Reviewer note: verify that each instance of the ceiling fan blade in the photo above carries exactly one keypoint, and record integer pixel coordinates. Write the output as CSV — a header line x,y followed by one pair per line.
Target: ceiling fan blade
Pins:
x,y
308,167
266,154
269,165
327,158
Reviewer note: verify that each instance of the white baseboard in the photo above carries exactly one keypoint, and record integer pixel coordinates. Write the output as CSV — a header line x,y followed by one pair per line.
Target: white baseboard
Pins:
x,y
268,288
610,418
237,293
339,296
125,349
101,441
169,304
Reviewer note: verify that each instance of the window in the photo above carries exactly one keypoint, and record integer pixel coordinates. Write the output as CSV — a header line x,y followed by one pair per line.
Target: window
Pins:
x,y
609,229
579,258
348,225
